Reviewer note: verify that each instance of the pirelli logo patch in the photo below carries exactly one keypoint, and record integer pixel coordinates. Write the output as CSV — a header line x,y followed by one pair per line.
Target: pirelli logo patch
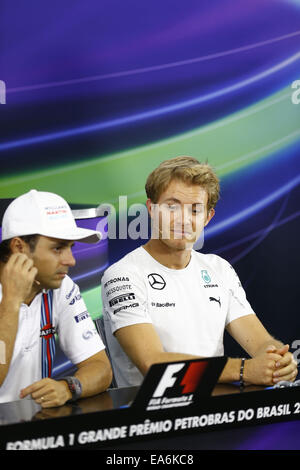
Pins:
x,y
121,298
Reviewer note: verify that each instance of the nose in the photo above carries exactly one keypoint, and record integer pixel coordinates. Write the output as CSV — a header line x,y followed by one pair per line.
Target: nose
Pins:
x,y
187,218
68,258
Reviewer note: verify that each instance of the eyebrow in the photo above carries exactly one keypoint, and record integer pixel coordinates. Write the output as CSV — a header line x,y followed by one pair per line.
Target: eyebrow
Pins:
x,y
63,243
173,199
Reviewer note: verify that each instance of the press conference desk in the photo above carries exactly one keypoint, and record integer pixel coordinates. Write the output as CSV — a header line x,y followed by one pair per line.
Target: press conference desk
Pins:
x,y
229,419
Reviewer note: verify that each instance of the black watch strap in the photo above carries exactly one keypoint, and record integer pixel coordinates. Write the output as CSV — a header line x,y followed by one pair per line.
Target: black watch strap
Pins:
x,y
74,387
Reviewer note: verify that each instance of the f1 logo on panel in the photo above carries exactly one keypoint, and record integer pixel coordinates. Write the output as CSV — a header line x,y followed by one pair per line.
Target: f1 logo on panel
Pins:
x,y
172,390
168,379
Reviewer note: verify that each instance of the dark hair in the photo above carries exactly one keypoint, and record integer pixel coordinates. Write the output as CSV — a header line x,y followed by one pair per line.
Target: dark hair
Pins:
x,y
5,250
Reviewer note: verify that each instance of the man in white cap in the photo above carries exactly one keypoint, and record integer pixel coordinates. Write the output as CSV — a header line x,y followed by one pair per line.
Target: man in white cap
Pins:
x,y
38,300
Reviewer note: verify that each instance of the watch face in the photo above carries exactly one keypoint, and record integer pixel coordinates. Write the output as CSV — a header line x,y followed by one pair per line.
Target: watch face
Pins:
x,y
74,387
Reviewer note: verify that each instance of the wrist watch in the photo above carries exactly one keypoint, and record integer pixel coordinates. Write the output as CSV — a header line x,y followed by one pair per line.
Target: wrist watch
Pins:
x,y
74,387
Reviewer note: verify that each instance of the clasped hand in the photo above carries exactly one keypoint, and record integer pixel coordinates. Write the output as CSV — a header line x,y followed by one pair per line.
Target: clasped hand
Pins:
x,y
285,368
270,366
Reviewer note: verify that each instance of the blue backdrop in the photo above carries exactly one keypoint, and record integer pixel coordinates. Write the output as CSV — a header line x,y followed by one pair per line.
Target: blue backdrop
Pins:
x,y
99,93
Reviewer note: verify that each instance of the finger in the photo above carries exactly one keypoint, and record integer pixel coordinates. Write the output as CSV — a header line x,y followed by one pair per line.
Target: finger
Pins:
x,y
21,259
17,257
40,393
48,404
295,374
31,388
27,265
25,392
285,360
20,263
46,401
284,372
282,351
43,396
15,261
33,272
286,378
274,358
50,400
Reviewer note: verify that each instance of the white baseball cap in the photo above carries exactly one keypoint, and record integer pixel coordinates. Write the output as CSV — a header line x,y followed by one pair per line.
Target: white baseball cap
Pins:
x,y
43,213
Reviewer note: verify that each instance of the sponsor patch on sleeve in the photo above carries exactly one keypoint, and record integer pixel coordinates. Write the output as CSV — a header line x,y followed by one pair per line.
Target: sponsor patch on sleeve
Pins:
x,y
75,299
122,298
81,316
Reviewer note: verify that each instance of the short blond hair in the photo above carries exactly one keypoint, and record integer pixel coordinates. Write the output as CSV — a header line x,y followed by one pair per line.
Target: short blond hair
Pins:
x,y
188,170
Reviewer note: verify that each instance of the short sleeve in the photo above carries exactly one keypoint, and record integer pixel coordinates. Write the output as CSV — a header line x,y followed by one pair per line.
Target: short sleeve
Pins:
x,y
124,298
238,305
77,334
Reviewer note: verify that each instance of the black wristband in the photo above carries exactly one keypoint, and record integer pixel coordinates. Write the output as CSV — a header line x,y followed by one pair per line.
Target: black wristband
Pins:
x,y
242,384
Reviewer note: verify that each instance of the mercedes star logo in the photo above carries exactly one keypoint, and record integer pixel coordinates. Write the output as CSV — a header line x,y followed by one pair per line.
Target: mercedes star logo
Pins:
x,y
156,281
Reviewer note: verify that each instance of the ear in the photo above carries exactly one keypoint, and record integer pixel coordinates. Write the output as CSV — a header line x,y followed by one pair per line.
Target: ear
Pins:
x,y
149,206
17,245
210,215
